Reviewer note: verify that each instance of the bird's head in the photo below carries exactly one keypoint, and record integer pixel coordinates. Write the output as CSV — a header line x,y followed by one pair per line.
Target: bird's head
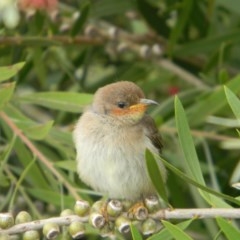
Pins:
x,y
124,101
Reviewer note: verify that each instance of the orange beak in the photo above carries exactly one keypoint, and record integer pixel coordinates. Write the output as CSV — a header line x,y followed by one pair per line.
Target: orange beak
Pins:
x,y
142,105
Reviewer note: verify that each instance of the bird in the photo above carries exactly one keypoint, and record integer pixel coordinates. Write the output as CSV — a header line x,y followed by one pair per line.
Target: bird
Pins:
x,y
111,137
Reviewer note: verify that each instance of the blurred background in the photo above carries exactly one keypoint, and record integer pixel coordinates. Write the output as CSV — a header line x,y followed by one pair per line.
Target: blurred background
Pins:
x,y
57,53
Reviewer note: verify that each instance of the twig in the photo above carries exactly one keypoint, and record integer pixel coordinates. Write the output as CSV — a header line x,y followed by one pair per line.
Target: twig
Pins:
x,y
46,40
161,214
40,156
38,224
187,76
197,213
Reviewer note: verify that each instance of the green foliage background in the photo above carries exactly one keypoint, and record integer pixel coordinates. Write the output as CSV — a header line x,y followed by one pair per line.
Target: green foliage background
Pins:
x,y
51,66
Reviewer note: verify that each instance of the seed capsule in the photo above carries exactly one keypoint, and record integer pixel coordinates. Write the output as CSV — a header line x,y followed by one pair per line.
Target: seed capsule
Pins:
x,y
76,230
66,212
123,224
149,227
23,217
152,203
51,230
97,220
114,208
31,235
6,220
98,206
81,208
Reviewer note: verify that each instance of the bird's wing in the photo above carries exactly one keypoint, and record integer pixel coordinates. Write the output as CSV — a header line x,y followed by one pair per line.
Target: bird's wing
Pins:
x,y
152,132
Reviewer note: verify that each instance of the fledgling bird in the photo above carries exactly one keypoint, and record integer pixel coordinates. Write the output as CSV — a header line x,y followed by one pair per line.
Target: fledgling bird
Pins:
x,y
111,137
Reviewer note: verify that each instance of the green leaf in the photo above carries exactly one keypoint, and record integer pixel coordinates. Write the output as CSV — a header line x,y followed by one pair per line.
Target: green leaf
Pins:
x,y
78,24
208,44
9,71
204,188
6,92
155,175
65,101
175,231
152,17
192,165
231,5
135,233
186,7
105,8
164,233
4,181
37,131
233,101
228,229
52,197
69,165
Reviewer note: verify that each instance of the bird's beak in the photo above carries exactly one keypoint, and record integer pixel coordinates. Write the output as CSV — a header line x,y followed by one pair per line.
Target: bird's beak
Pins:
x,y
142,105
147,101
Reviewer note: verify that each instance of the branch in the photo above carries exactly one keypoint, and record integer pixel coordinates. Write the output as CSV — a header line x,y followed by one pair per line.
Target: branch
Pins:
x,y
40,156
47,40
38,224
199,213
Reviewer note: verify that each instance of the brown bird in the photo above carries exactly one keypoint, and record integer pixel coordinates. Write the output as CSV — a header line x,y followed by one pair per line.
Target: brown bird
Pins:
x,y
111,138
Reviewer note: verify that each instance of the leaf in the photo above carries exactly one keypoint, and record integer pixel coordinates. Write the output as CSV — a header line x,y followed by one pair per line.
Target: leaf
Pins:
x,y
233,101
105,8
135,233
78,24
6,92
9,71
228,229
175,231
65,101
231,5
37,131
191,159
208,44
152,17
204,188
4,181
69,165
155,175
186,7
164,233
52,197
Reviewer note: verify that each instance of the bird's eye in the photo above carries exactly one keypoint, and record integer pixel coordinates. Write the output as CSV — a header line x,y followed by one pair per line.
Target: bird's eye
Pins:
x,y
121,104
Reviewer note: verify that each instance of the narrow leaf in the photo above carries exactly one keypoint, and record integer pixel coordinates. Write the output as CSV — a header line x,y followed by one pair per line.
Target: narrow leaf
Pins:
x,y
186,7
51,197
199,111
164,233
176,232
9,71
6,92
69,165
80,20
135,233
65,101
204,188
233,101
38,131
155,175
228,229
191,159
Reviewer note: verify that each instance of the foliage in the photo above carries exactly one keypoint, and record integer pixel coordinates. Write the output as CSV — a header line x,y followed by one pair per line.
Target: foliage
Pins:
x,y
53,61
